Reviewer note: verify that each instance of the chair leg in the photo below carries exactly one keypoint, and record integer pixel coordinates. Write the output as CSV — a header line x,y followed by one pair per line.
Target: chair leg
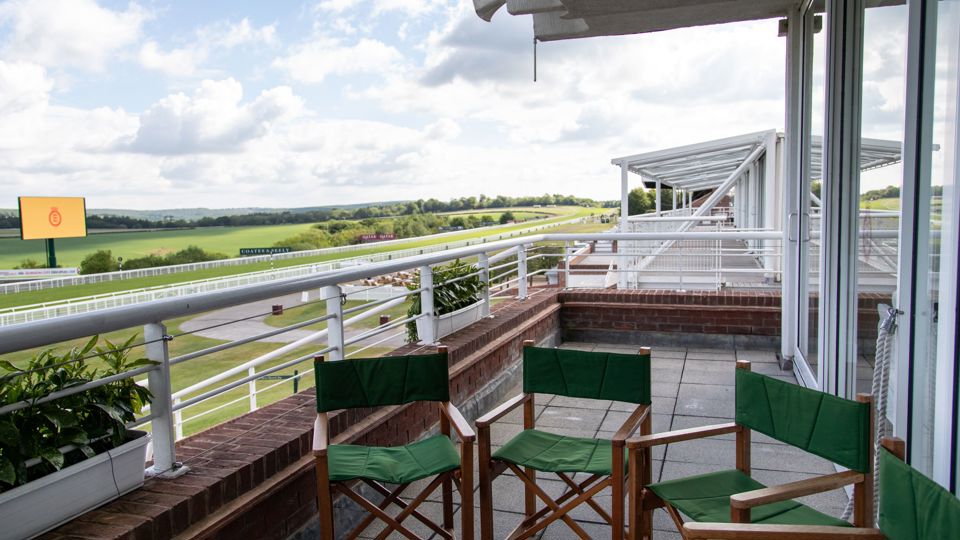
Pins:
x,y
466,493
616,490
324,498
486,483
447,502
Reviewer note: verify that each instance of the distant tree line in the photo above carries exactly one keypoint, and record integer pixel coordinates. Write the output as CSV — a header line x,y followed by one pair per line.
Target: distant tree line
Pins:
x,y
408,208
103,260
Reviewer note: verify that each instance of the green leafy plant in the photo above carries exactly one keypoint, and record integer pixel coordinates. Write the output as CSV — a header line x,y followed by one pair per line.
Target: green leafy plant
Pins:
x,y
45,437
447,297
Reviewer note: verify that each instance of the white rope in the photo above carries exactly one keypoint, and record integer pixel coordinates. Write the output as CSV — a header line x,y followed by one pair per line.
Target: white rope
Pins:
x,y
880,391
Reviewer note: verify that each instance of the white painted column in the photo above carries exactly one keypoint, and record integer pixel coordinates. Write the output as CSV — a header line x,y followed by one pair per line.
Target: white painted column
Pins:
x,y
426,305
624,197
335,324
162,426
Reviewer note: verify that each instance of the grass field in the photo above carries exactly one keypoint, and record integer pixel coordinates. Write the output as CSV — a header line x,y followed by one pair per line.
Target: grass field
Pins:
x,y
48,295
70,251
881,204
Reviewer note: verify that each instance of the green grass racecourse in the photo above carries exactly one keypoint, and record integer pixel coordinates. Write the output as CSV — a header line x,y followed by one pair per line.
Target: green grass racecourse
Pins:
x,y
129,245
48,295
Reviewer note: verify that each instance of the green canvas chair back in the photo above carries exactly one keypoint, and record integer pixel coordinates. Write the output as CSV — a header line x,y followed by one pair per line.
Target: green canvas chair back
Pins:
x,y
833,428
913,507
591,375
374,382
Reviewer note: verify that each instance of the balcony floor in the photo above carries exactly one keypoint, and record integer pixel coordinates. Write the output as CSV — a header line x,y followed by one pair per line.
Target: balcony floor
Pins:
x,y
692,387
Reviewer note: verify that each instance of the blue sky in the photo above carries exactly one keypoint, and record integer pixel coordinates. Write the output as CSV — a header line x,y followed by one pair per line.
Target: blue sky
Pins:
x,y
298,103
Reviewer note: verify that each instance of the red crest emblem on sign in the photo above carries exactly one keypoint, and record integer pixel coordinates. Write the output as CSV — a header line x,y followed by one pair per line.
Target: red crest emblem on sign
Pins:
x,y
55,217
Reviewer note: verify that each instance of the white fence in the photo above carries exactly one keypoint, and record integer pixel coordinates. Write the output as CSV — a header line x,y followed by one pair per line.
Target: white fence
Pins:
x,y
48,310
38,285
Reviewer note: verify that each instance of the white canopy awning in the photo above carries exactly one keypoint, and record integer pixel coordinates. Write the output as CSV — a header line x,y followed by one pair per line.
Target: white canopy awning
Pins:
x,y
567,19
708,164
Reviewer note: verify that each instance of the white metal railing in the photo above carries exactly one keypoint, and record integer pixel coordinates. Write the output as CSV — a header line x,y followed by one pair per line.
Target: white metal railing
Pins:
x,y
503,270
60,308
37,285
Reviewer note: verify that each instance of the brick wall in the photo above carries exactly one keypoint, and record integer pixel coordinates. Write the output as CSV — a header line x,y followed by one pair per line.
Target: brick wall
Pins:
x,y
253,477
662,317
693,318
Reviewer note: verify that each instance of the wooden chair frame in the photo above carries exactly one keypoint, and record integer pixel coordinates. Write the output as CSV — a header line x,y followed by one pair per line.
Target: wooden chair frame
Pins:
x,y
641,508
736,531
462,477
576,494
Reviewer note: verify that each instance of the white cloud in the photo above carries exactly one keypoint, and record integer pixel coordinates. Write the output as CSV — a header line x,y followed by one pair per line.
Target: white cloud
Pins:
x,y
181,62
406,7
187,61
69,33
317,59
213,119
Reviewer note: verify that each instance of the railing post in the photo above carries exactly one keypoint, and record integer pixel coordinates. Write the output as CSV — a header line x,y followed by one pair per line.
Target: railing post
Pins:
x,y
252,385
162,424
334,324
426,305
522,272
178,420
484,261
566,264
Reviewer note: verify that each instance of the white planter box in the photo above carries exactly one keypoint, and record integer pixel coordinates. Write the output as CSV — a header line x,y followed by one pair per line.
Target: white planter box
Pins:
x,y
444,325
50,501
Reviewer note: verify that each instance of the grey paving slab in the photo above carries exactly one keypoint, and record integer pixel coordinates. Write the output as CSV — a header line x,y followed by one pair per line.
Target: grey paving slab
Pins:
x,y
711,400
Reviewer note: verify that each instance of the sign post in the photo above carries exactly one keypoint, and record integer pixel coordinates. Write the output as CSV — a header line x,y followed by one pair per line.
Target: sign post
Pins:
x,y
47,218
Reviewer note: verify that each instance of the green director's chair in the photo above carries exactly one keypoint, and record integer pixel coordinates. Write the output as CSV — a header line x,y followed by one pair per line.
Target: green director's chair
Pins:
x,y
578,374
392,380
833,428
912,507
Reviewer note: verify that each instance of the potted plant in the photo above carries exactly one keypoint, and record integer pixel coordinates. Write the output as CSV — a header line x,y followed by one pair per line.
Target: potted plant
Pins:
x,y
456,300
61,458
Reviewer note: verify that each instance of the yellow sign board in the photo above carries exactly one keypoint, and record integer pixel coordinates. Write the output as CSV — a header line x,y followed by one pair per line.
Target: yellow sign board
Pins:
x,y
52,217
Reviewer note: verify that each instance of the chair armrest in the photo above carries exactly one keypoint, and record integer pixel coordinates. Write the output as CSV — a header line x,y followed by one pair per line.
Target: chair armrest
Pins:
x,y
785,492
459,423
667,437
631,424
501,411
743,531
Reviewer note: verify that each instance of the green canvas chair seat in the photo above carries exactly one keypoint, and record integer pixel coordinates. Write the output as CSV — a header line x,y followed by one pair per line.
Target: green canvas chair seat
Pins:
x,y
912,507
602,462
548,452
396,464
706,497
833,428
418,383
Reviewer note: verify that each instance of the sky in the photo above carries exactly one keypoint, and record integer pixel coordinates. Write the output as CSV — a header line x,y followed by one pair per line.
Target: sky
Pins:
x,y
220,104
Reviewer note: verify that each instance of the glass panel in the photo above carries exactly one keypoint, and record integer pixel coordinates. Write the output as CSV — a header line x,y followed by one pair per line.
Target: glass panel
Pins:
x,y
885,38
943,216
810,199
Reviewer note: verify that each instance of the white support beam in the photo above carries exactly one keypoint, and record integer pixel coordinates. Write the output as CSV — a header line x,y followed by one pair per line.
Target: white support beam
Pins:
x,y
841,189
624,224
658,196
